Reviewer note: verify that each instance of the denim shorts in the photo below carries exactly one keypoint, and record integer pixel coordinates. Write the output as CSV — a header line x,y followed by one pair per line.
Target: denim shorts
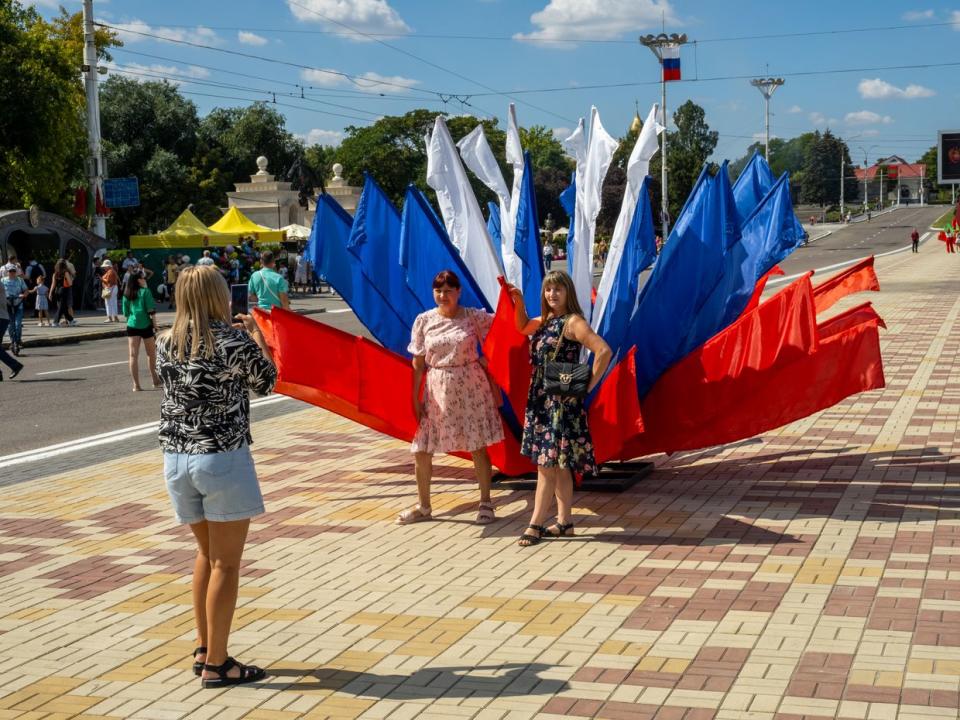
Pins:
x,y
215,486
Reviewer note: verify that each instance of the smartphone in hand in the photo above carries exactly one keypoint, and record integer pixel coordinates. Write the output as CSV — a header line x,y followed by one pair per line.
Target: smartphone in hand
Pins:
x,y
239,300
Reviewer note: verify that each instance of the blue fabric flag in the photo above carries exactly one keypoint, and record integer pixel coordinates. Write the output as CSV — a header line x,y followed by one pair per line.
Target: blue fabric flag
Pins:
x,y
327,249
425,250
665,325
375,240
639,250
493,227
568,198
526,242
772,231
752,186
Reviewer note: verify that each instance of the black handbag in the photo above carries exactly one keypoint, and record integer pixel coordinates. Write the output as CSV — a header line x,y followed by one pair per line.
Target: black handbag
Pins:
x,y
564,378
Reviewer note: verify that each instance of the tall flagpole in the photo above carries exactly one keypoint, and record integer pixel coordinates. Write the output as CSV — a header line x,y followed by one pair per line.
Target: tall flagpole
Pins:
x,y
656,44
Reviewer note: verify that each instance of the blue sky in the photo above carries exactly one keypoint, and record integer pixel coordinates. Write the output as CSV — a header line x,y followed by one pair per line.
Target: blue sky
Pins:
x,y
519,45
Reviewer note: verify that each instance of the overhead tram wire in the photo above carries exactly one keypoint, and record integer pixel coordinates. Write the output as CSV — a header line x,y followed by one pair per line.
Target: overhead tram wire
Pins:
x,y
359,81
462,98
569,40
186,79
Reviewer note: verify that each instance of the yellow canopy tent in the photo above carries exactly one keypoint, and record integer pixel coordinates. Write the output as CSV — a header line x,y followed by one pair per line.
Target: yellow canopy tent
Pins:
x,y
235,222
186,232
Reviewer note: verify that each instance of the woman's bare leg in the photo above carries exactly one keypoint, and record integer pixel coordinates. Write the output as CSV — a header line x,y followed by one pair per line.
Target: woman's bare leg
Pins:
x,y
133,346
564,494
201,579
423,464
226,550
151,346
542,498
481,463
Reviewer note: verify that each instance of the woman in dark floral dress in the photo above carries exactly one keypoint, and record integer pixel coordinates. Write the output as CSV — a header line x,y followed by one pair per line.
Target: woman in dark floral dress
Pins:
x,y
555,432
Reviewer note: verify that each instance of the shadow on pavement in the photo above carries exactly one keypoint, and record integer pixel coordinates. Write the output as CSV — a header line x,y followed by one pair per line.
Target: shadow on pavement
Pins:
x,y
519,679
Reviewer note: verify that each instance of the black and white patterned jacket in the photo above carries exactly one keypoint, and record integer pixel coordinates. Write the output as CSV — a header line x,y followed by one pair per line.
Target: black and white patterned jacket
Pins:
x,y
205,406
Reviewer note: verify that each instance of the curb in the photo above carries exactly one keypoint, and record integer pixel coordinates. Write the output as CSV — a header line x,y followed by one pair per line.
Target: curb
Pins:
x,y
106,333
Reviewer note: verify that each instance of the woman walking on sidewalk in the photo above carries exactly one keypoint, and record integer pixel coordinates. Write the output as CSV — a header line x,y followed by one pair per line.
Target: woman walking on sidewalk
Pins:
x,y
61,293
11,362
555,432
139,308
207,367
16,292
458,410
111,289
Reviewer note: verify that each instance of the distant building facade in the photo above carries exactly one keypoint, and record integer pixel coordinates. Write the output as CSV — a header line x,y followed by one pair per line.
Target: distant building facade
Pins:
x,y
903,183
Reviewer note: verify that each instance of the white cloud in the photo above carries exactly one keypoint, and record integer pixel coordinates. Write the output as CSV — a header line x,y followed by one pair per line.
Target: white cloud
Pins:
x,y
795,109
878,89
147,73
955,19
319,136
368,82
916,15
866,117
371,16
817,118
869,132
249,38
576,19
561,133
198,34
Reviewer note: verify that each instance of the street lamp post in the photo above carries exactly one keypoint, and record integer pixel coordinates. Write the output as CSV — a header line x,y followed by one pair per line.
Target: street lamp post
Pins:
x,y
656,44
767,86
865,151
95,163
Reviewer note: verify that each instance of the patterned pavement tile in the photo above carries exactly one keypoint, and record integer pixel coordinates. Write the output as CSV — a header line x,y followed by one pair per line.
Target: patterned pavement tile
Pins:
x,y
813,572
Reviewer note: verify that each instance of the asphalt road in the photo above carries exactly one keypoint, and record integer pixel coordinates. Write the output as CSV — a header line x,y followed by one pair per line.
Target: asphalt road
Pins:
x,y
75,391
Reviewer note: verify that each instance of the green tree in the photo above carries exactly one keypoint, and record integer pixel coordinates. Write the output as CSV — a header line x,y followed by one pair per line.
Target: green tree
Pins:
x,y
149,131
42,131
688,149
821,171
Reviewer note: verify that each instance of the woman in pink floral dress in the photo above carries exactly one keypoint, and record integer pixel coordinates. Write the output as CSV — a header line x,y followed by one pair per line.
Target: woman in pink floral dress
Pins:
x,y
457,410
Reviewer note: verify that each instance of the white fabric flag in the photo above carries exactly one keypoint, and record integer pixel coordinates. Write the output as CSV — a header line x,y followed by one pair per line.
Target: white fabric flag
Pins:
x,y
638,167
508,227
477,155
593,161
461,213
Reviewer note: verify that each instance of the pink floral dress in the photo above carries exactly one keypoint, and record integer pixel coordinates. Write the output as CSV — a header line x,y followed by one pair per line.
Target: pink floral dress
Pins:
x,y
459,411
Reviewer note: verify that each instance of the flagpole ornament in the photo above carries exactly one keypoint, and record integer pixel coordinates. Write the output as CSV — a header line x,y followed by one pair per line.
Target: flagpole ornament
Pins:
x,y
667,50
767,86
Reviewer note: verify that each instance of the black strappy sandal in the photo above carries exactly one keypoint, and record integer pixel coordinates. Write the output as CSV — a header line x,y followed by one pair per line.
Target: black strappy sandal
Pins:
x,y
198,666
248,674
562,530
528,540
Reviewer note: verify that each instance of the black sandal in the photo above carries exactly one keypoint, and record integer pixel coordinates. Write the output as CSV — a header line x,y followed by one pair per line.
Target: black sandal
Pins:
x,y
198,666
528,540
248,674
562,529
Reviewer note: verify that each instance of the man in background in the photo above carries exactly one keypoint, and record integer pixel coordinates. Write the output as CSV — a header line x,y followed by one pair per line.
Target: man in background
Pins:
x,y
267,288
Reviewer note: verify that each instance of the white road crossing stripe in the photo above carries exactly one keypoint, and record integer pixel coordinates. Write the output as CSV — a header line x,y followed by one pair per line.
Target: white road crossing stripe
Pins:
x,y
85,367
837,266
103,438
339,310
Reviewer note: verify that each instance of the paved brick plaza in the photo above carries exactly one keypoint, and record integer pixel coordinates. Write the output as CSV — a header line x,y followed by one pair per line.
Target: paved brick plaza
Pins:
x,y
810,573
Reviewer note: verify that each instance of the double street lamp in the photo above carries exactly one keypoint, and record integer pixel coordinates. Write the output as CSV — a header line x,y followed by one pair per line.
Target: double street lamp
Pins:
x,y
657,44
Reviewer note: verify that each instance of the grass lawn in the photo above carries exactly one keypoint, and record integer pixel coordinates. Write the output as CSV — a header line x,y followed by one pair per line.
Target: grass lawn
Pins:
x,y
943,220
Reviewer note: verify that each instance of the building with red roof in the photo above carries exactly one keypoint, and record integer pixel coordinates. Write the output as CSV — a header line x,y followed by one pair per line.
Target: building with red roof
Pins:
x,y
901,182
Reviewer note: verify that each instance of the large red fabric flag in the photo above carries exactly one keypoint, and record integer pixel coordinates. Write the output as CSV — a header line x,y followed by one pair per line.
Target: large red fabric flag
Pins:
x,y
857,278
357,379
758,289
614,415
508,354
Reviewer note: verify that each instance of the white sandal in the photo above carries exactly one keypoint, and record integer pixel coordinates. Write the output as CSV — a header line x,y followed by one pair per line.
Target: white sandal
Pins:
x,y
416,514
485,514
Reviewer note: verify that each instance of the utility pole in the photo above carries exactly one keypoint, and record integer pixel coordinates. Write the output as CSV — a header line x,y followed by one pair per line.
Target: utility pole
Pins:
x,y
657,44
90,71
767,86
841,183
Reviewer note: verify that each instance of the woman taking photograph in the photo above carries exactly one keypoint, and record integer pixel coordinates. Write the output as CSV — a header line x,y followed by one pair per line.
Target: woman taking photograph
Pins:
x,y
458,410
61,293
207,367
555,432
139,309
111,289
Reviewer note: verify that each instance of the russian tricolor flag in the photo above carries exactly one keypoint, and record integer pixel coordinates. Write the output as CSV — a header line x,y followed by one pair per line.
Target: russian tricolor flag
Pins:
x,y
671,62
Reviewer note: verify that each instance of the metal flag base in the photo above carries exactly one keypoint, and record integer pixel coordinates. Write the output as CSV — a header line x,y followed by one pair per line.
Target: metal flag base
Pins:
x,y
613,477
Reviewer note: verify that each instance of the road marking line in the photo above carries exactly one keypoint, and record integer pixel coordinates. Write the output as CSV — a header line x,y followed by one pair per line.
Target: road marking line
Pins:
x,y
104,438
788,278
340,310
85,367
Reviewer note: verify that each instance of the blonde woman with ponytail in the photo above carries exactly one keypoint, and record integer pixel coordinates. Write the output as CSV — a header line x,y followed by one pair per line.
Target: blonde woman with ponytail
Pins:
x,y
207,366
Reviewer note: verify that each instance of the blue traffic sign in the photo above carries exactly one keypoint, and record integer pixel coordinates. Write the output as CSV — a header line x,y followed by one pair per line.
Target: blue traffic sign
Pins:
x,y
121,192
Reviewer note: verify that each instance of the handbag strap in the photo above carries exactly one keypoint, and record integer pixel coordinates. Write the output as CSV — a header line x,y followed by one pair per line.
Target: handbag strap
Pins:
x,y
556,349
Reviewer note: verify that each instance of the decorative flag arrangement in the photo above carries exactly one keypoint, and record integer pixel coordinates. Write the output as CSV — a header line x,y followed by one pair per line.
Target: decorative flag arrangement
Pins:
x,y
699,358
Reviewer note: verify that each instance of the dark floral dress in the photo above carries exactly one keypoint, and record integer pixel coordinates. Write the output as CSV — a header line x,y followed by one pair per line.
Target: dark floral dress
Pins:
x,y
555,432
